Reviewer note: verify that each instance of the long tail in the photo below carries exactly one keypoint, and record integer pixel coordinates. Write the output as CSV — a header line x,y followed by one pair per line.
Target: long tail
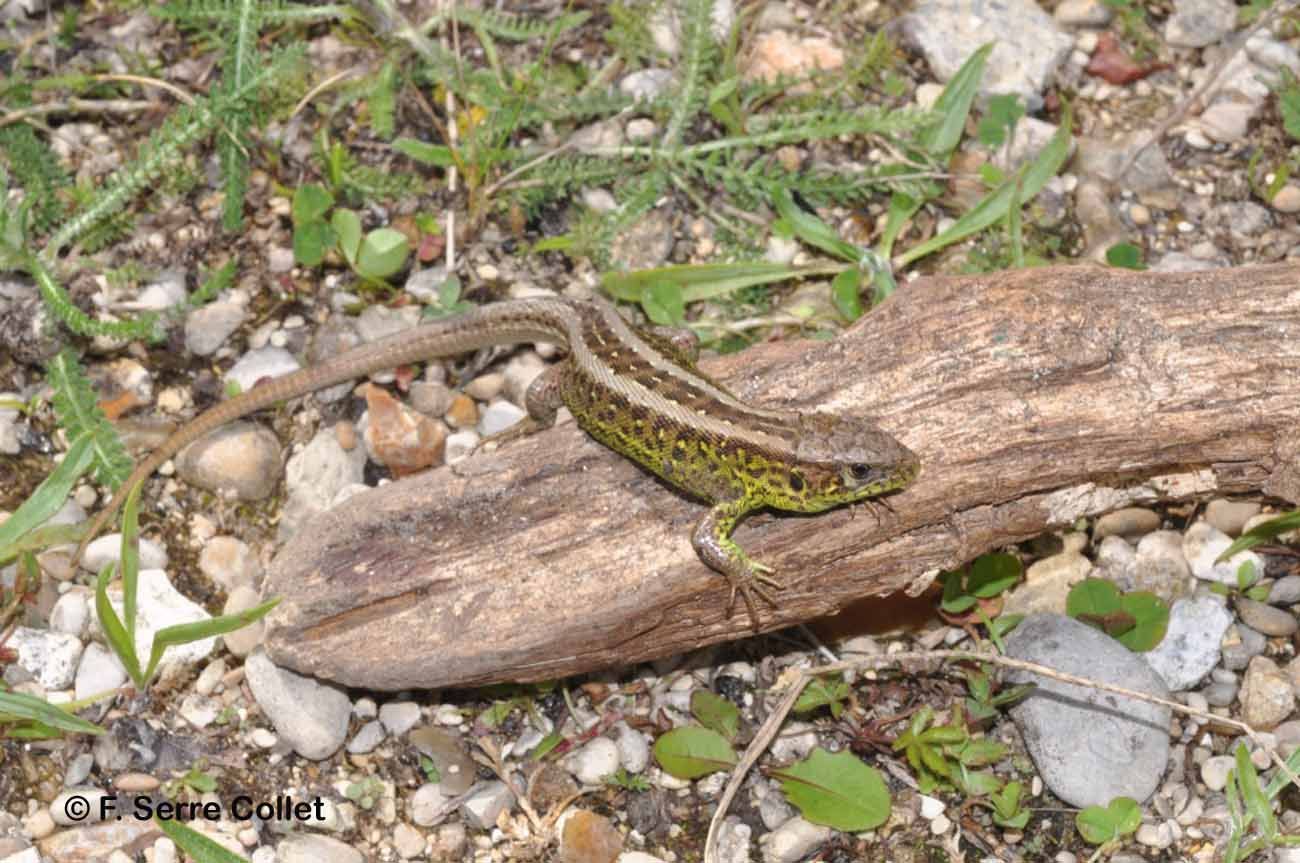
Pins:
x,y
538,319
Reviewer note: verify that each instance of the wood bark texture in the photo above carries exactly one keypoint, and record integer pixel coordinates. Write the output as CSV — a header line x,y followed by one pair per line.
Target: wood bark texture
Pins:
x,y
1032,397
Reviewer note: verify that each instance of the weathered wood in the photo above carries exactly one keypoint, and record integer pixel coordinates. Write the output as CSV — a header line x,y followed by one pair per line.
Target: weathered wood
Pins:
x,y
1032,397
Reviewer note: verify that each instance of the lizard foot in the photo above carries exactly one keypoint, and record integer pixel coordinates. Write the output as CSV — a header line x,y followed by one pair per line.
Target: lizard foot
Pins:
x,y
755,582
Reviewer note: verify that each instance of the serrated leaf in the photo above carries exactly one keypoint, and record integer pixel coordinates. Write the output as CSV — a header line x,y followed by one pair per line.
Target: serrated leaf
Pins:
x,y
689,753
715,712
836,790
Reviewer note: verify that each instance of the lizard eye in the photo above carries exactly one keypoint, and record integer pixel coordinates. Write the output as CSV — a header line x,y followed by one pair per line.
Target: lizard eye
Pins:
x,y
859,471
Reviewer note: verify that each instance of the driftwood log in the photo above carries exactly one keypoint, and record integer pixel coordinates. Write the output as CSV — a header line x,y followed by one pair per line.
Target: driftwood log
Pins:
x,y
1033,398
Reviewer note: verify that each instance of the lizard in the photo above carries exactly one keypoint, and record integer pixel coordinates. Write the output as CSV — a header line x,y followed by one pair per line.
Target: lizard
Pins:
x,y
639,392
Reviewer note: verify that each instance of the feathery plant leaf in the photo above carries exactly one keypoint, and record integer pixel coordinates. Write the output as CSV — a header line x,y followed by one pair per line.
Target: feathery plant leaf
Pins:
x,y
513,27
36,169
698,56
79,414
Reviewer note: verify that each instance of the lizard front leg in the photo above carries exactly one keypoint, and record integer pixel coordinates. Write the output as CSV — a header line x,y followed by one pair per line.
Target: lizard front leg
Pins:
x,y
713,543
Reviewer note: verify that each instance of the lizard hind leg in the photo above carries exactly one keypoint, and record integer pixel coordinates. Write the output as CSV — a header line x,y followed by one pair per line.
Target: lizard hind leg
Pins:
x,y
542,399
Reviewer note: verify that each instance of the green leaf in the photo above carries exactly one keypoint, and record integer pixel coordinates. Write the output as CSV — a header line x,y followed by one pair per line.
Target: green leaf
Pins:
x,y
975,783
1098,825
980,753
715,712
114,631
49,496
1126,256
1262,533
184,633
991,574
810,229
383,252
836,790
1001,115
311,242
823,692
310,204
663,304
954,104
1016,191
199,847
689,753
956,599
20,705
1094,597
347,227
541,750
1151,620
844,293
1252,795
699,281
129,565
430,154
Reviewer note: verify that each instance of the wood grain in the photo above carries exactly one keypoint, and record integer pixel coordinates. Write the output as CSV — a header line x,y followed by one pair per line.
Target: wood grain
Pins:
x,y
1033,398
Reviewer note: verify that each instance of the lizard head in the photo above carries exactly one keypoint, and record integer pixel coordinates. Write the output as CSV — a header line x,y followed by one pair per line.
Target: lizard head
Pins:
x,y
845,458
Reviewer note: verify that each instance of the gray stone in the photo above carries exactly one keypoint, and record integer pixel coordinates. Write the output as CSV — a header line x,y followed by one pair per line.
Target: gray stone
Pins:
x,y
99,671
594,762
1203,543
429,805
158,606
313,848
208,327
1266,694
316,475
1285,591
792,841
1240,645
268,362
399,717
107,549
1118,562
1266,619
1220,694
485,803
1198,23
367,738
633,749
499,416
1161,567
1047,583
1190,648
310,716
244,640
1089,746
50,657
947,32
646,84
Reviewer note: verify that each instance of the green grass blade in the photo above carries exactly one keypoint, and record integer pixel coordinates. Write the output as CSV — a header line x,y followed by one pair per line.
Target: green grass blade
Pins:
x,y
184,633
19,705
702,281
114,631
49,496
130,559
1260,534
954,104
1015,191
198,847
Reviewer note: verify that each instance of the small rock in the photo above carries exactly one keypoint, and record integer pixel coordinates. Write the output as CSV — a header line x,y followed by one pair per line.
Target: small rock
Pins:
x,y
50,657
1161,566
1082,13
99,671
1230,515
429,805
1118,562
208,327
229,562
399,717
313,848
199,710
1127,741
1190,648
1287,199
595,761
1130,523
1198,23
244,640
646,84
70,614
107,549
1047,583
1240,645
486,387
269,362
1157,836
1285,591
1203,543
1214,772
367,738
485,804
158,606
407,841
311,717
1266,694
462,413
241,459
431,398
499,416
586,837
403,440
1265,618
792,841
633,750
1219,694
778,54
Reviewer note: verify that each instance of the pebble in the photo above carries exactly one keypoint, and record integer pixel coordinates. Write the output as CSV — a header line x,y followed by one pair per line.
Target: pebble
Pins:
x,y
253,366
1220,694
429,805
485,804
1285,591
160,605
592,763
310,716
313,848
70,614
1190,648
407,841
1240,645
200,711
1161,566
462,413
399,717
1214,772
431,398
136,782
1159,836
1047,583
403,440
499,416
1270,621
794,840
1203,543
587,837
240,460
316,476
208,327
78,769
229,562
1287,199
1198,23
646,84
244,640
50,657
1266,694
461,445
1130,522
487,387
1117,562
367,738
1230,516
633,748
107,549
99,671
1127,741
